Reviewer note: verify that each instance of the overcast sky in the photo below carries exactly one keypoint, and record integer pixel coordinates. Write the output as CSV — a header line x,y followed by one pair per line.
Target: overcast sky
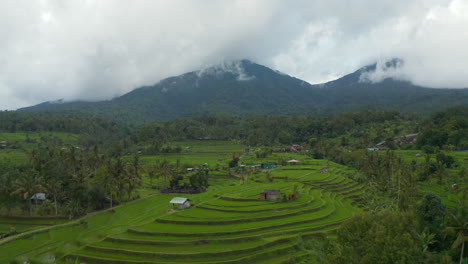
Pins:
x,y
98,49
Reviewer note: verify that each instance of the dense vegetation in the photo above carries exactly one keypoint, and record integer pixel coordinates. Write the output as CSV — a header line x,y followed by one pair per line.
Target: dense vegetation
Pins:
x,y
92,130
446,128
351,130
362,129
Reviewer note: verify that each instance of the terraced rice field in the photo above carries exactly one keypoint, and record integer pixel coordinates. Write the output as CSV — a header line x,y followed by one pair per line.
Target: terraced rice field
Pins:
x,y
23,224
236,226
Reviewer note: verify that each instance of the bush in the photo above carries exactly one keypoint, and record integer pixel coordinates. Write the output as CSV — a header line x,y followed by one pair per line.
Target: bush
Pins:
x,y
46,208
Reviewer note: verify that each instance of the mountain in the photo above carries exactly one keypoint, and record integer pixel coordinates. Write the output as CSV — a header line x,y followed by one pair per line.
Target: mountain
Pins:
x,y
244,87
355,92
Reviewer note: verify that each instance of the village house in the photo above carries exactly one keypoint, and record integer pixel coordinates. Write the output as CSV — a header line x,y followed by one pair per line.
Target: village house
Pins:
x,y
3,144
324,170
293,162
271,195
269,165
192,169
38,198
408,139
296,148
254,165
180,202
380,146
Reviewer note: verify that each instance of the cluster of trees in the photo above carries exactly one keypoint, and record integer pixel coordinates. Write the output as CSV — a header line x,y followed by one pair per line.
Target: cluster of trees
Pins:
x,y
392,182
427,233
173,178
447,128
423,234
360,129
75,179
92,130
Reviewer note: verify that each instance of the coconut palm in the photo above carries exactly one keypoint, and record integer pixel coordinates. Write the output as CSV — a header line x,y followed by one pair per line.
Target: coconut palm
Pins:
x,y
27,185
459,221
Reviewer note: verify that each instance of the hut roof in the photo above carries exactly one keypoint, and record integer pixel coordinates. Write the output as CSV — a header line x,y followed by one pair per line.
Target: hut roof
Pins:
x,y
38,196
271,191
178,200
293,161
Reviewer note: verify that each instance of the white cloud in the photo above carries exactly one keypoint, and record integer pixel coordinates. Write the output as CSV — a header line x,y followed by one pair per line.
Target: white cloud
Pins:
x,y
232,66
97,49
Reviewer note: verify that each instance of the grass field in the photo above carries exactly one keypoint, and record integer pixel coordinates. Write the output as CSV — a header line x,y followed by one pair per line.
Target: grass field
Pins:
x,y
23,224
195,153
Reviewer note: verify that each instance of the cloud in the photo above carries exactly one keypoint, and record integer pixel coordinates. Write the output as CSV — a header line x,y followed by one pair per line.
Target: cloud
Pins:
x,y
232,66
99,49
384,69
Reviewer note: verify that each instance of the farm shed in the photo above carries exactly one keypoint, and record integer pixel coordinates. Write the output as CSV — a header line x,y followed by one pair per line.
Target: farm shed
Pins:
x,y
296,147
269,165
38,198
4,144
380,146
271,195
181,202
292,162
192,169
254,165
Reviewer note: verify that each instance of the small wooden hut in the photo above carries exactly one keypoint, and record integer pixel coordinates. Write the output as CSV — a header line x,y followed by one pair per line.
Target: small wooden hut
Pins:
x,y
180,202
271,195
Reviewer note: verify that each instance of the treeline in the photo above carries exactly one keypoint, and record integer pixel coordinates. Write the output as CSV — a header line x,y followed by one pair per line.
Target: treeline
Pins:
x,y
366,128
446,129
92,130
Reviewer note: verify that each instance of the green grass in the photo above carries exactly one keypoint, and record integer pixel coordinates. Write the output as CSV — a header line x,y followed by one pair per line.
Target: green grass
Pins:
x,y
190,159
23,137
209,146
13,157
22,224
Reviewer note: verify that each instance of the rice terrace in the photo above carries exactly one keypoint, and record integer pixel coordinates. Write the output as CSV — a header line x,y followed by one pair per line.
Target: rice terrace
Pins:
x,y
227,224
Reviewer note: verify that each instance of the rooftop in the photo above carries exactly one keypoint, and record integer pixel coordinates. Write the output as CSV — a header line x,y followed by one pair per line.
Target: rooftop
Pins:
x,y
39,196
271,191
178,200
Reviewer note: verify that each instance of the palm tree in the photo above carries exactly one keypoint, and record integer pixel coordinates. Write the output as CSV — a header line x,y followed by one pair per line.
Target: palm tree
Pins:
x,y
27,185
54,185
132,176
151,176
459,221
165,171
105,179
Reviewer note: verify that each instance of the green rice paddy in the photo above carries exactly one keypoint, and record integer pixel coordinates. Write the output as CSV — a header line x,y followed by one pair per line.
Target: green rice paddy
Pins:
x,y
227,224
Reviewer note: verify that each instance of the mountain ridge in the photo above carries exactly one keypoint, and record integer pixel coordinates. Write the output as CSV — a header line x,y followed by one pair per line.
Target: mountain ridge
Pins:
x,y
244,87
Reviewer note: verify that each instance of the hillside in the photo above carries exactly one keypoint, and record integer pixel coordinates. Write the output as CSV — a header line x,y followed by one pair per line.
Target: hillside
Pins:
x,y
244,87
